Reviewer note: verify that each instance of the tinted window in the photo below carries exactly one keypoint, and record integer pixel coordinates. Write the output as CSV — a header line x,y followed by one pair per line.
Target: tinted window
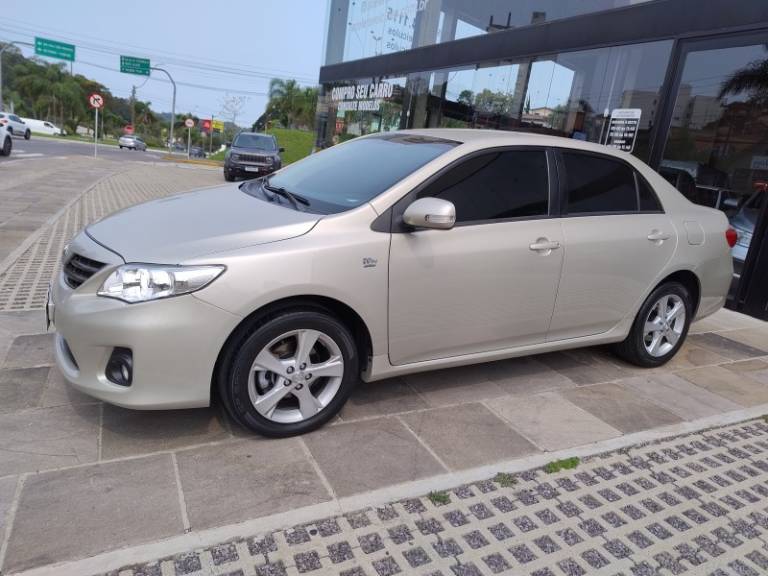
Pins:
x,y
497,185
595,184
257,141
649,202
345,176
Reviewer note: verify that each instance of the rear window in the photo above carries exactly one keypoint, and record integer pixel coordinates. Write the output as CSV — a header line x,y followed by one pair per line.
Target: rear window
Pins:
x,y
347,175
598,185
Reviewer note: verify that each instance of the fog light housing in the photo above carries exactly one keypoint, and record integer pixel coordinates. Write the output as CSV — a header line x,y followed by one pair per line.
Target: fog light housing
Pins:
x,y
120,367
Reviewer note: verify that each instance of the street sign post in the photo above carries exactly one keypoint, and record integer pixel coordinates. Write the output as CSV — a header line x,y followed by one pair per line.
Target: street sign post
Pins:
x,y
54,49
133,65
96,101
189,123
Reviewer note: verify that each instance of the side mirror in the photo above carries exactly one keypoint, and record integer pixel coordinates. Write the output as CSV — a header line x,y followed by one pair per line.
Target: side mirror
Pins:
x,y
281,149
430,213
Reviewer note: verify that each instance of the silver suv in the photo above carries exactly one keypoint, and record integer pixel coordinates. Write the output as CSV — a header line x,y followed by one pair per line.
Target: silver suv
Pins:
x,y
131,142
389,254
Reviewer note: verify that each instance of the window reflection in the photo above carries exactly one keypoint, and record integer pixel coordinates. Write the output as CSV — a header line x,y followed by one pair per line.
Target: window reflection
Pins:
x,y
718,137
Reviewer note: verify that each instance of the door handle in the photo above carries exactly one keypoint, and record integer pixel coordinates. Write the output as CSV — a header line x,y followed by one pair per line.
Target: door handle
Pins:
x,y
544,245
658,236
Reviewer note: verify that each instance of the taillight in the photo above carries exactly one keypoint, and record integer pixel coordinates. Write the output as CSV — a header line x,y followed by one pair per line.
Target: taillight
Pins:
x,y
731,237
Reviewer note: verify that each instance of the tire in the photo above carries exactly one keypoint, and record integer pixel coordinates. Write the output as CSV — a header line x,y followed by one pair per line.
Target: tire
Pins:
x,y
27,135
228,176
10,130
653,348
7,147
306,401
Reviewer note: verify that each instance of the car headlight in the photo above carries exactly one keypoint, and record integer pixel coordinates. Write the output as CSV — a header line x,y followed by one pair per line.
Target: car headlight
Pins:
x,y
234,157
142,282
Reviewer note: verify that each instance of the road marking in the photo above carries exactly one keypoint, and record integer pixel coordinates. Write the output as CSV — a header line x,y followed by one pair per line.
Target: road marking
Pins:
x,y
30,155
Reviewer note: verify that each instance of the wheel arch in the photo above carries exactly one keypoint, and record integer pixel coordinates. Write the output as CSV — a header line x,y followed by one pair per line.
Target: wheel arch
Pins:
x,y
691,282
337,308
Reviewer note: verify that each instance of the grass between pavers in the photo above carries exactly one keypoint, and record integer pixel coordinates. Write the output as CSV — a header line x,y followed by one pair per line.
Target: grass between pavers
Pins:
x,y
439,497
297,144
564,464
505,479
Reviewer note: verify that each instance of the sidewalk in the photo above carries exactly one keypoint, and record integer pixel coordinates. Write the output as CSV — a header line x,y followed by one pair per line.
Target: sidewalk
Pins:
x,y
693,504
128,478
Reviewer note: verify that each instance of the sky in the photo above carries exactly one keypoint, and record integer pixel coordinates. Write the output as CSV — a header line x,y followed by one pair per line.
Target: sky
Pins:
x,y
222,48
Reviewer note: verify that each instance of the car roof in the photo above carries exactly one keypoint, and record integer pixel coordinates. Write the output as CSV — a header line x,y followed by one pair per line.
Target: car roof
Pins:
x,y
489,138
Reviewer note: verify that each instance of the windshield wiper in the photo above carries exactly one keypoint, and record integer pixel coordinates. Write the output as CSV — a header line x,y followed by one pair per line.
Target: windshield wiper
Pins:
x,y
294,198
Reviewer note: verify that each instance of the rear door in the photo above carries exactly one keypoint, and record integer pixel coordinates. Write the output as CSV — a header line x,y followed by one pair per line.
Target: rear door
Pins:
x,y
617,241
490,282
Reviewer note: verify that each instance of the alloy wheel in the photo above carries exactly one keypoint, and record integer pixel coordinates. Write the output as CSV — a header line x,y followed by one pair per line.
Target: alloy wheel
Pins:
x,y
295,376
664,325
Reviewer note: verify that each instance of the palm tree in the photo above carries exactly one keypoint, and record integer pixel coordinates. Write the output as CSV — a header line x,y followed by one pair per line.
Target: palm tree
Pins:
x,y
753,79
284,98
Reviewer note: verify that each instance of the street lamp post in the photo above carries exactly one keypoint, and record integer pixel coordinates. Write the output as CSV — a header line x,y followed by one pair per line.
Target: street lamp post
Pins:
x,y
4,48
173,106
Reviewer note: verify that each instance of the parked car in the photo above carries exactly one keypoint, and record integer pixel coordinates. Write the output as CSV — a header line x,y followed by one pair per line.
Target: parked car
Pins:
x,y
392,253
15,125
196,152
43,127
252,154
132,142
6,142
744,222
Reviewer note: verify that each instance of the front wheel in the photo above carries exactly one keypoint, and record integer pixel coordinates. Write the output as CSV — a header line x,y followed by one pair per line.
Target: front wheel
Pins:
x,y
27,135
228,176
7,146
660,327
289,374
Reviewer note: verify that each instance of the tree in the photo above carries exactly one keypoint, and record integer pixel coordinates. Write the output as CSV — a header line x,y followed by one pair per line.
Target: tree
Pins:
x,y
232,106
752,79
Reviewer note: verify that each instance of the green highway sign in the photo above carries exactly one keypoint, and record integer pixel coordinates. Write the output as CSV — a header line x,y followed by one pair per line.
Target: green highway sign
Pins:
x,y
132,65
54,49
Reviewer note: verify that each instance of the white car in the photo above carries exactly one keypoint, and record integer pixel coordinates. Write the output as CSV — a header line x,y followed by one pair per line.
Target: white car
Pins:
x,y
15,125
6,142
132,142
43,127
392,253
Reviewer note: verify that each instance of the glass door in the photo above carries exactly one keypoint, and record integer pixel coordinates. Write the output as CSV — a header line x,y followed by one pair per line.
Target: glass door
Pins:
x,y
716,150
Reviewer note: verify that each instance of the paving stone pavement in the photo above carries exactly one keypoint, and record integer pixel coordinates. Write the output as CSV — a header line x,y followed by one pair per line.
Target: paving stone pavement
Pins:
x,y
694,504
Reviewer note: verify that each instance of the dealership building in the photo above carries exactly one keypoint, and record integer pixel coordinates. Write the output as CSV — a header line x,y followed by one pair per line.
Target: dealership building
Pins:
x,y
682,84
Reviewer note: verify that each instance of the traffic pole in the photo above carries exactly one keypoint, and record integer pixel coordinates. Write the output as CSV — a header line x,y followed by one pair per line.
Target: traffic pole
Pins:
x,y
189,141
96,134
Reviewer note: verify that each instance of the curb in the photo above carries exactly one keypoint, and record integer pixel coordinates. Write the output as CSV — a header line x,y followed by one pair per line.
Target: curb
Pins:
x,y
215,163
116,559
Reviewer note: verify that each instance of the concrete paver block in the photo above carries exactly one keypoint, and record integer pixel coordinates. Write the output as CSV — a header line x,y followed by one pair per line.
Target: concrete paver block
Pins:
x,y
736,387
552,422
360,456
468,435
454,386
21,388
74,513
235,481
31,350
391,396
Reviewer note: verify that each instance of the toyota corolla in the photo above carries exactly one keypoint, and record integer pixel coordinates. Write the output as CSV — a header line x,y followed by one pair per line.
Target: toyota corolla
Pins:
x,y
389,254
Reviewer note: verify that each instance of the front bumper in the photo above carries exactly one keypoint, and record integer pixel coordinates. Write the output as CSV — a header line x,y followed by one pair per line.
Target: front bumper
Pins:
x,y
241,168
175,343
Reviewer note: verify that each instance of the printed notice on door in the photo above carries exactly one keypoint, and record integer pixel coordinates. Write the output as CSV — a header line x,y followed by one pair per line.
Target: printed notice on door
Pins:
x,y
623,127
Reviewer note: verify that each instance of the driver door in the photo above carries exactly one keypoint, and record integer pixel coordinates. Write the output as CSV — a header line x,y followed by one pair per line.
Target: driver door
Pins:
x,y
490,282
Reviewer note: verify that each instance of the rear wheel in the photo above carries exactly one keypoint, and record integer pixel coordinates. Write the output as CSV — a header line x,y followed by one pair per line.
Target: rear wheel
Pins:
x,y
660,327
289,374
7,147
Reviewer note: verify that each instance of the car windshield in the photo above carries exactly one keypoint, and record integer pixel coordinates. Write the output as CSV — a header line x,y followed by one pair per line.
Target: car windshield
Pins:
x,y
346,176
258,141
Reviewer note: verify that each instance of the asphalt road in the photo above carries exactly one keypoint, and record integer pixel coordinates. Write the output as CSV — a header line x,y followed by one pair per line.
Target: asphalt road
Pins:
x,y
38,147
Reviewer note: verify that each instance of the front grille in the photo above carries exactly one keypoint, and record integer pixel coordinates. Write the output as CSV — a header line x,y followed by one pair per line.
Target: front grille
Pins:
x,y
79,268
257,158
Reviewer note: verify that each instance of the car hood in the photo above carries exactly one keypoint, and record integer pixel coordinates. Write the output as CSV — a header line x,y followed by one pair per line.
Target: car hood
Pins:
x,y
178,228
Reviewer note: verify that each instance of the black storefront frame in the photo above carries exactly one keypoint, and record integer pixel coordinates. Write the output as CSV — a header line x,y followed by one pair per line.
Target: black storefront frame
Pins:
x,y
692,25
751,295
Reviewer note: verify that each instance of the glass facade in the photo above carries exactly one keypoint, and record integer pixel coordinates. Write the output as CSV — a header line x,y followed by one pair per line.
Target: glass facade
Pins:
x,y
363,28
571,94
